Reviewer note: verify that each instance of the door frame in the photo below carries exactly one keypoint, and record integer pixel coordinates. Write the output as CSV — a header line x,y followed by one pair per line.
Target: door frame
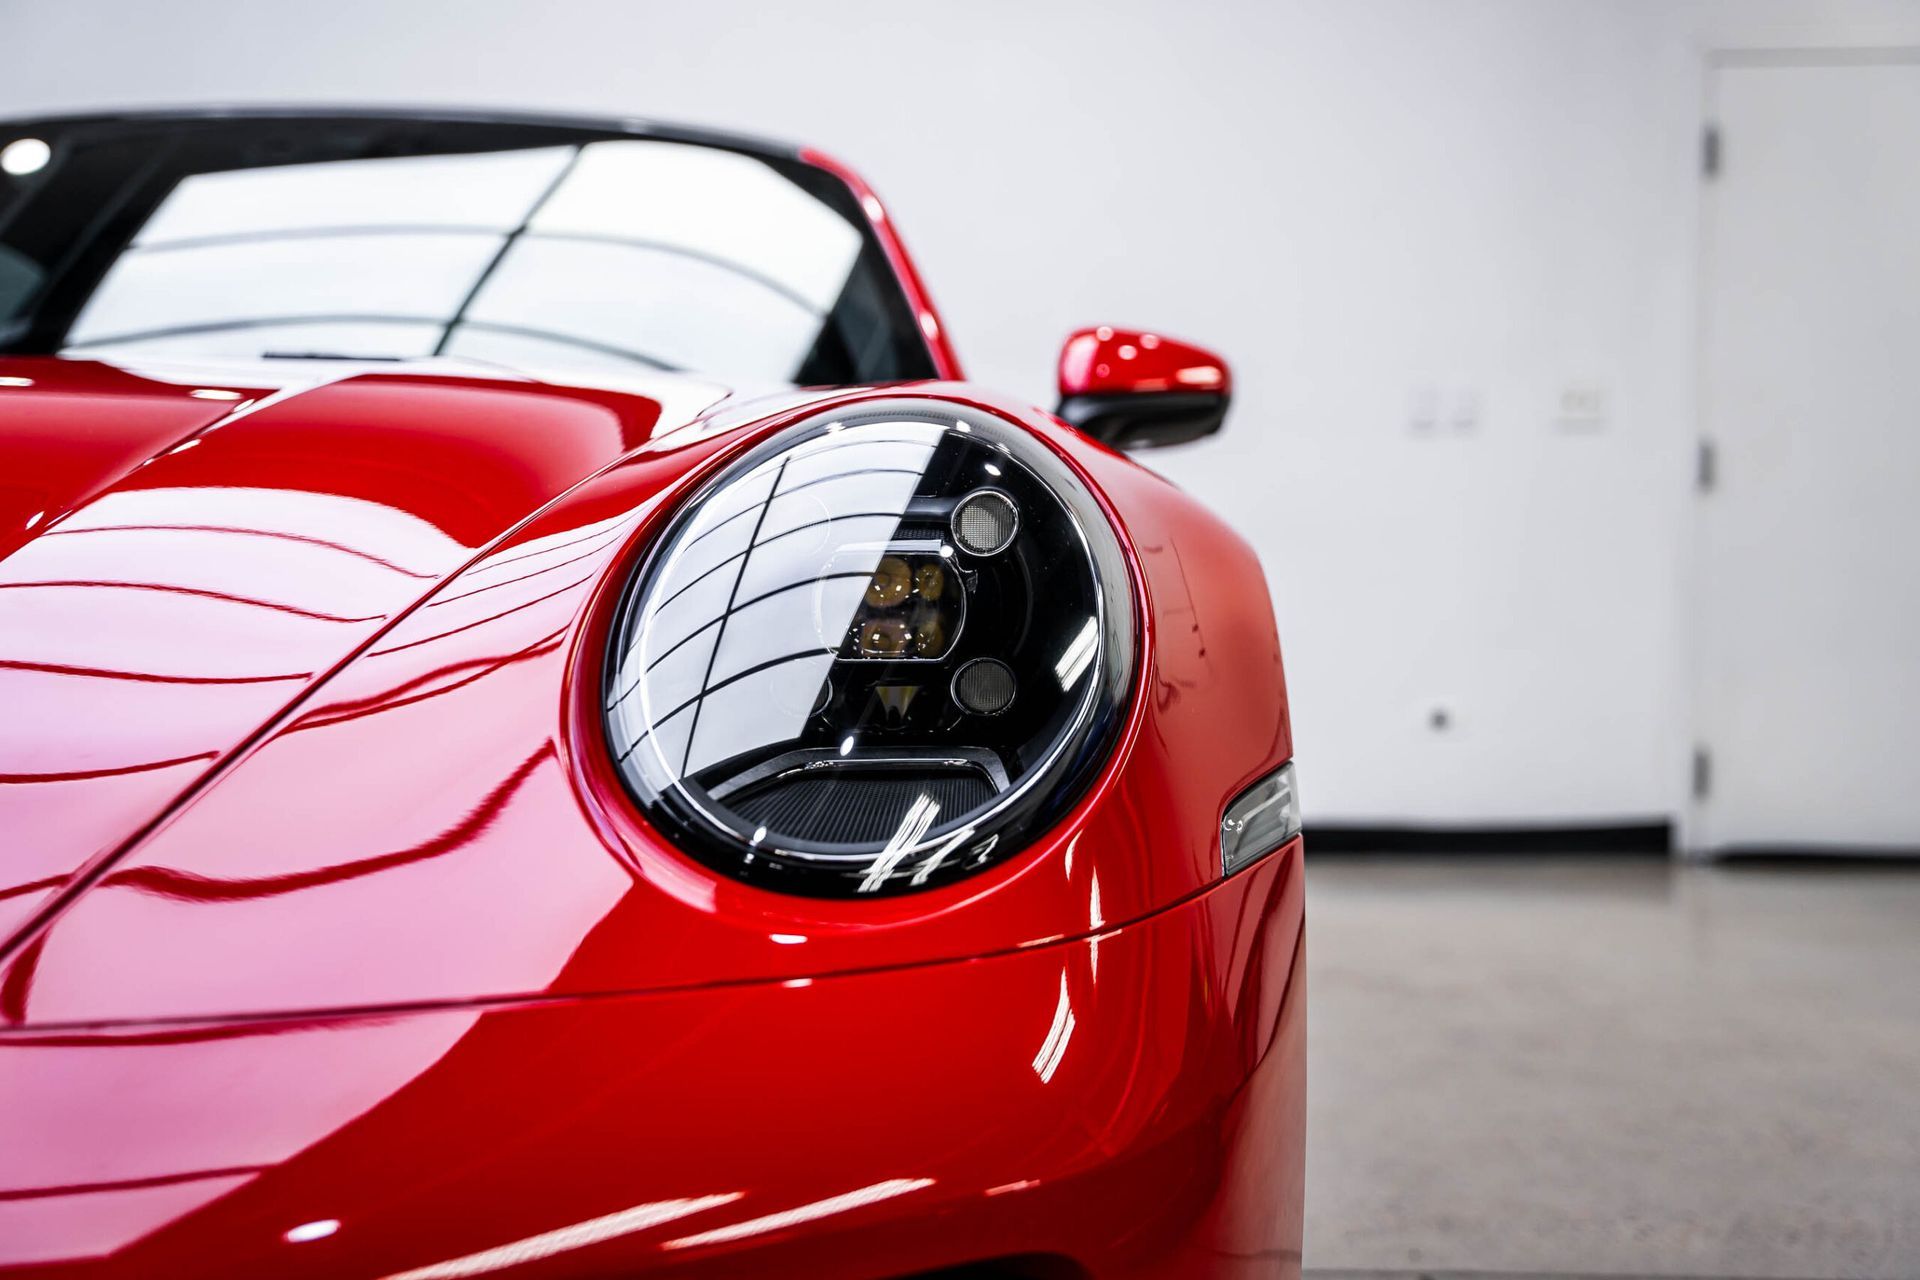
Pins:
x,y
1693,826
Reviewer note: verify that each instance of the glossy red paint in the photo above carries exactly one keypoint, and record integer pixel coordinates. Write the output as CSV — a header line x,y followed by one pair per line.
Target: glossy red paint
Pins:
x,y
1128,1102
67,438
336,946
160,623
1107,361
70,432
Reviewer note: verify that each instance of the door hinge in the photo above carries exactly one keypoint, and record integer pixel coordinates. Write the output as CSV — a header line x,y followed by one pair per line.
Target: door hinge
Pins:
x,y
1702,773
1706,467
1710,151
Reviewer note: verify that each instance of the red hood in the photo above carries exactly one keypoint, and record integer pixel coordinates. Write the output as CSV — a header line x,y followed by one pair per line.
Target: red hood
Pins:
x,y
181,560
282,778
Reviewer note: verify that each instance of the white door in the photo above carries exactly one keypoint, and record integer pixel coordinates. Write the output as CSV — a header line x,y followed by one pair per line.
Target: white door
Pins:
x,y
1807,597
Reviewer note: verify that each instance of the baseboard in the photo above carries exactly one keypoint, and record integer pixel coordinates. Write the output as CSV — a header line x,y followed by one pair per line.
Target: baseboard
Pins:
x,y
1647,840
1809,855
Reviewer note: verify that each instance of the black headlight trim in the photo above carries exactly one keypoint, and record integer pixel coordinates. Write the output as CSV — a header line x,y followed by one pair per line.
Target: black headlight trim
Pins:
x,y
741,815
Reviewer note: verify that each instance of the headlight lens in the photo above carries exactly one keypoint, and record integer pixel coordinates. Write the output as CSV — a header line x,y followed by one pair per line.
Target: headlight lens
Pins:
x,y
882,650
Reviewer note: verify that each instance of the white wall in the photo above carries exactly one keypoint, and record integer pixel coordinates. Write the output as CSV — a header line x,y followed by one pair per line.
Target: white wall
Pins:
x,y
1382,213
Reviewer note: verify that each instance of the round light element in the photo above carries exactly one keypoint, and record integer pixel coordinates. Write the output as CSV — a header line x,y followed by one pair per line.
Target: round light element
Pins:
x,y
984,522
984,687
890,583
929,634
24,156
883,638
869,711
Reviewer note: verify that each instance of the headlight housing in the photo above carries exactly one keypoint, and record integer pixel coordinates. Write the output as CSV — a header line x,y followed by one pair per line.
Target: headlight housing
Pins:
x,y
887,647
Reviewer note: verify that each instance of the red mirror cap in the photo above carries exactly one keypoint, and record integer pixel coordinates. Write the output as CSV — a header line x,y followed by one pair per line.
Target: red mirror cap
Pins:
x,y
1110,361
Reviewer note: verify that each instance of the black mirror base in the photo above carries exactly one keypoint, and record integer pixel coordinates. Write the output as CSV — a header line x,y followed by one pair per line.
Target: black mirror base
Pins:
x,y
1145,419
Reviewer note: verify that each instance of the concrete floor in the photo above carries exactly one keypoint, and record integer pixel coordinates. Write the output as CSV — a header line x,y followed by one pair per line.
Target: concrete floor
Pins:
x,y
1613,1067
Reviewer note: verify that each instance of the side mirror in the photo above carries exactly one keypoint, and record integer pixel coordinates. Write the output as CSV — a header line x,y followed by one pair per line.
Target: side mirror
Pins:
x,y
1131,389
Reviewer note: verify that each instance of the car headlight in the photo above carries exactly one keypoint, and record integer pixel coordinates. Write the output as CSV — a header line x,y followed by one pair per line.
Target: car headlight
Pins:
x,y
884,649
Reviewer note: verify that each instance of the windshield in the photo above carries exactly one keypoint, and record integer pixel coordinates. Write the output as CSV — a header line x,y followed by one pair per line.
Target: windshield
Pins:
x,y
532,244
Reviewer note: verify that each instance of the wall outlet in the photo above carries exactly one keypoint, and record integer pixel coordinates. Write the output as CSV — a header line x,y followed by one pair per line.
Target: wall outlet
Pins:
x,y
1423,410
1431,409
1582,406
1463,414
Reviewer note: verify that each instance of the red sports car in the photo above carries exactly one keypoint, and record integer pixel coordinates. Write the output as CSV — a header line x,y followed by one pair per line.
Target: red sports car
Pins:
x,y
546,731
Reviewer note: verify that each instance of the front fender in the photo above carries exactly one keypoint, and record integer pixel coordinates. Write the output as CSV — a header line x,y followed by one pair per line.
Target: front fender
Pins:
x,y
439,822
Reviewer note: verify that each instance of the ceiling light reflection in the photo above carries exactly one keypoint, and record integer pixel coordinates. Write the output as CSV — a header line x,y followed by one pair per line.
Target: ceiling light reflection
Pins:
x,y
1054,1047
1200,375
577,1236
23,156
319,1229
1096,921
1078,655
804,1213
1006,1187
915,825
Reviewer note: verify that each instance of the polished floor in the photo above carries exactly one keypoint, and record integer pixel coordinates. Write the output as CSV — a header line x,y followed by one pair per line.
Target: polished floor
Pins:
x,y
1613,1067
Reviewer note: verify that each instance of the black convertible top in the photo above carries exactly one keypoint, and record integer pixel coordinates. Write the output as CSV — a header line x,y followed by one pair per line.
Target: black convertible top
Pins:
x,y
612,126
